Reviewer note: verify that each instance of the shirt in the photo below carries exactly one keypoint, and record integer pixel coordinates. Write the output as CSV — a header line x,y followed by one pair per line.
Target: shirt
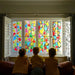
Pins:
x,y
37,61
51,66
21,65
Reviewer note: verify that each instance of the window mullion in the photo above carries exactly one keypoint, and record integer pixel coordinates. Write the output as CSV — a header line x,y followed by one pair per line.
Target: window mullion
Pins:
x,y
36,33
23,33
51,43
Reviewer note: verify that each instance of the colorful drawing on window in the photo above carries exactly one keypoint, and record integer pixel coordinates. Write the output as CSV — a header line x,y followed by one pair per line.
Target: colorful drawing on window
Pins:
x,y
56,30
17,35
43,35
30,35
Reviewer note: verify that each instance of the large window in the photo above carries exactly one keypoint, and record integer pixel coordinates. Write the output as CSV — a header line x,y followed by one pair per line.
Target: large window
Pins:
x,y
44,33
41,33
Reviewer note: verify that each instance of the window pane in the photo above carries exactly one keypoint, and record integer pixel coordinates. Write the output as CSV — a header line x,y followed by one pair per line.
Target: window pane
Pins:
x,y
56,30
17,35
30,35
66,39
43,35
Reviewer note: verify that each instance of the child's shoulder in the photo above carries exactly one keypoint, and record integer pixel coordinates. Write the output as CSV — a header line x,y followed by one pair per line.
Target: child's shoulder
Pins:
x,y
51,58
36,56
55,59
25,56
39,56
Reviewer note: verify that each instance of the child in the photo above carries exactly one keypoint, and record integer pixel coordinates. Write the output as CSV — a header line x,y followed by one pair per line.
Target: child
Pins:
x,y
37,62
21,63
52,63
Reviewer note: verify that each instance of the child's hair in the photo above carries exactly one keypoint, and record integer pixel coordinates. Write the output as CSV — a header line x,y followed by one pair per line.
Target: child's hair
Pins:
x,y
52,52
36,50
22,52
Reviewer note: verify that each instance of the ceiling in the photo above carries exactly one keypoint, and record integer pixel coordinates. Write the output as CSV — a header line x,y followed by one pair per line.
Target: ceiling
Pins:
x,y
36,0
37,7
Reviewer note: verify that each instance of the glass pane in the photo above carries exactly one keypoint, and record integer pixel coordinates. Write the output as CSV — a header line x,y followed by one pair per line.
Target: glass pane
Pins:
x,y
43,35
17,35
67,39
56,30
30,35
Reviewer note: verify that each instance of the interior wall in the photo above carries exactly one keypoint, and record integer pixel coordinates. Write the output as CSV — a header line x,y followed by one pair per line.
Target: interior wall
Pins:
x,y
1,36
73,39
38,6
60,59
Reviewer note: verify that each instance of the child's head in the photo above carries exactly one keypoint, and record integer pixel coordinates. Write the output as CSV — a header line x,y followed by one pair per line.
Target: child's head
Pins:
x,y
22,52
36,50
52,52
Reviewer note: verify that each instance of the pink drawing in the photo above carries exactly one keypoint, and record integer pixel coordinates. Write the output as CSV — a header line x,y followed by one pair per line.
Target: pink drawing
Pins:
x,y
55,40
43,24
44,50
27,22
28,39
34,28
18,47
39,35
26,30
16,30
55,25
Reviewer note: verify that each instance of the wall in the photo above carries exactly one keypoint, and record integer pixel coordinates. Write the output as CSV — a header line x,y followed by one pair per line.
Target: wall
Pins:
x,y
37,6
60,59
73,39
1,36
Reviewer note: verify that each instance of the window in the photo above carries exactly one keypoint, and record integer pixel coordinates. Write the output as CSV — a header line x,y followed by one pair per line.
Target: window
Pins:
x,y
44,33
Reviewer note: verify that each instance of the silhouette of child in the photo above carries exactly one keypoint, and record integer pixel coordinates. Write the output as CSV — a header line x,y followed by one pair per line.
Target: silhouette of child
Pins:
x,y
51,63
37,62
21,63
